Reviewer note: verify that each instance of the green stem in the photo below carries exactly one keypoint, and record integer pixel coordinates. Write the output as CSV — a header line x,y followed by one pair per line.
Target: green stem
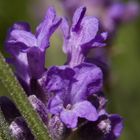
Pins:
x,y
4,129
19,97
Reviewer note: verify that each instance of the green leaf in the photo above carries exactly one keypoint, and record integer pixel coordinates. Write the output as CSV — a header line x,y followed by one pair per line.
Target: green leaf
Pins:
x,y
19,97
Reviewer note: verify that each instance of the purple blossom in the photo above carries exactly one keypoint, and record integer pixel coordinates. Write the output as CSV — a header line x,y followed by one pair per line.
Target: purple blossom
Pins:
x,y
40,107
28,50
81,37
19,130
72,87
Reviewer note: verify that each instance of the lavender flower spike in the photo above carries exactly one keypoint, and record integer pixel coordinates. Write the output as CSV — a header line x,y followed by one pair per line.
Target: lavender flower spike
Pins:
x,y
27,49
81,37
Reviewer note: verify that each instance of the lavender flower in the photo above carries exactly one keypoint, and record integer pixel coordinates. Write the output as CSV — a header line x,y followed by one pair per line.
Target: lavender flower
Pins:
x,y
72,87
75,100
81,37
118,13
28,50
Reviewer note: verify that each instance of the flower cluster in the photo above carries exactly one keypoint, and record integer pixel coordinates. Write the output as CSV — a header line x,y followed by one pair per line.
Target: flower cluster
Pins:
x,y
68,98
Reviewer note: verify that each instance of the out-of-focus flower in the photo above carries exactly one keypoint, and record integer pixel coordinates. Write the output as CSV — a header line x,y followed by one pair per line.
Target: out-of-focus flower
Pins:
x,y
28,50
110,12
118,13
81,37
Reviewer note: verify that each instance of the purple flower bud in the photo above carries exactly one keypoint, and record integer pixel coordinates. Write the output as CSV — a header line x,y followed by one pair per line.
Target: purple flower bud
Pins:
x,y
57,129
20,130
39,107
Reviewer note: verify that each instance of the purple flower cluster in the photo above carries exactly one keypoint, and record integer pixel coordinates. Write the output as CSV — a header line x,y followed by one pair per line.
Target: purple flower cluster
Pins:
x,y
68,98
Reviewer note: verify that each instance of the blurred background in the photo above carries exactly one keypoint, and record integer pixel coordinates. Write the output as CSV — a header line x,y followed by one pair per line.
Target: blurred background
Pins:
x,y
124,97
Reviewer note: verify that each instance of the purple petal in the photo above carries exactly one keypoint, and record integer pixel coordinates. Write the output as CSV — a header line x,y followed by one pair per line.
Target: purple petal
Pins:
x,y
117,125
21,65
36,62
69,118
55,105
46,28
118,129
77,18
65,29
82,109
24,37
14,48
89,81
12,45
99,40
85,110
89,29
